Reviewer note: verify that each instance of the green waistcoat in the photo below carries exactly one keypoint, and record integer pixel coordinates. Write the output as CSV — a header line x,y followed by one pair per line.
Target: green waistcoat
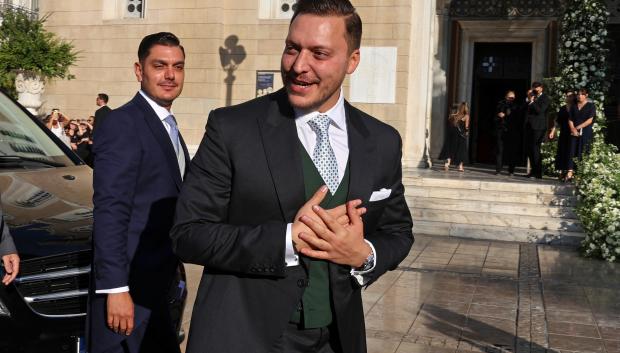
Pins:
x,y
316,307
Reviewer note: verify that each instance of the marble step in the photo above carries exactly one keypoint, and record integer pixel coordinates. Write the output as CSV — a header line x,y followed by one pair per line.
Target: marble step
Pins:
x,y
490,232
493,207
548,188
490,195
497,220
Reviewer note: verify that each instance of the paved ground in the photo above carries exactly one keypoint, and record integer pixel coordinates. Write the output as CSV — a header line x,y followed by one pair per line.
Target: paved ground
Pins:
x,y
461,295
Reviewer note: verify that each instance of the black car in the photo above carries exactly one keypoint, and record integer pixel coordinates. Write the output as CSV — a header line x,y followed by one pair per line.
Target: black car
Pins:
x,y
46,193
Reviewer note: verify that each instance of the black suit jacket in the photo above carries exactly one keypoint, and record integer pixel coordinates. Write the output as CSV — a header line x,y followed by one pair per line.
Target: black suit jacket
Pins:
x,y
136,182
243,187
536,115
101,114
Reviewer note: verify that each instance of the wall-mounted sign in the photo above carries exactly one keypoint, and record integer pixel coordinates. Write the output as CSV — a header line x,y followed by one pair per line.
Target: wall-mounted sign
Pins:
x,y
267,81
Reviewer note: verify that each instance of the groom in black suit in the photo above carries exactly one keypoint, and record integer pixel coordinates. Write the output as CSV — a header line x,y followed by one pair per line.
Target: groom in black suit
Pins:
x,y
272,204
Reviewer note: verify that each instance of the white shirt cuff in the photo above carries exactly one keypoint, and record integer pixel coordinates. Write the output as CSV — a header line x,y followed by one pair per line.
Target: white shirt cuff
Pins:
x,y
359,275
113,290
290,255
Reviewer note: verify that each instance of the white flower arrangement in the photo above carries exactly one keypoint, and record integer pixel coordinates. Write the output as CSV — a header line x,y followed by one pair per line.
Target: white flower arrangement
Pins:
x,y
582,64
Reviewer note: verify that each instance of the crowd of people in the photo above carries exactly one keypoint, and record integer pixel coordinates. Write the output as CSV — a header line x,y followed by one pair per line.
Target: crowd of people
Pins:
x,y
517,125
78,133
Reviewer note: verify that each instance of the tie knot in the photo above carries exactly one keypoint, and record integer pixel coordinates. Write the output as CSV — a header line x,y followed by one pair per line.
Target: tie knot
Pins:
x,y
171,120
320,123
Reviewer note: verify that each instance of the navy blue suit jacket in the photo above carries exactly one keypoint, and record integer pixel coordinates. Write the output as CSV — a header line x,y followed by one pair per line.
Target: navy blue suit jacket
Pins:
x,y
136,184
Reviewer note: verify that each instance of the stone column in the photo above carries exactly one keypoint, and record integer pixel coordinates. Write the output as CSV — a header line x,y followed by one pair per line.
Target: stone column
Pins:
x,y
29,89
420,82
441,64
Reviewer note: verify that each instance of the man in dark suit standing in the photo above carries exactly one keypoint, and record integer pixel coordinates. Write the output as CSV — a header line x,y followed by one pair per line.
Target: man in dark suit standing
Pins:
x,y
535,128
137,178
507,133
270,204
103,111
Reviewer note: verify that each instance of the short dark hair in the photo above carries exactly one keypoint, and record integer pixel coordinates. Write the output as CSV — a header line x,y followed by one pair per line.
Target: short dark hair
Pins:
x,y
583,91
104,97
537,84
340,8
162,38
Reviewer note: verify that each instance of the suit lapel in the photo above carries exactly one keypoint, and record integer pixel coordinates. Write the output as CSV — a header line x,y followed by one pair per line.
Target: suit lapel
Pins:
x,y
161,135
279,136
185,153
362,156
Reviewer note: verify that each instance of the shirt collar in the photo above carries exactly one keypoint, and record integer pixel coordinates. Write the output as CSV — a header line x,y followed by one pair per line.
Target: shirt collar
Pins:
x,y
336,114
162,113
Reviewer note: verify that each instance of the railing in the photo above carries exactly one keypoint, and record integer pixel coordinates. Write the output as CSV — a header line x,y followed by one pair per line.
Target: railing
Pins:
x,y
29,7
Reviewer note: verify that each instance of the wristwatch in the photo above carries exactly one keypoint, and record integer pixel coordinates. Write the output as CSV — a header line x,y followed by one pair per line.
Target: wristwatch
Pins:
x,y
368,263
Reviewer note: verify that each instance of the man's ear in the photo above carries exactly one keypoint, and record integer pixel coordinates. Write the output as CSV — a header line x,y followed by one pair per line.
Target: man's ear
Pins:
x,y
138,71
354,60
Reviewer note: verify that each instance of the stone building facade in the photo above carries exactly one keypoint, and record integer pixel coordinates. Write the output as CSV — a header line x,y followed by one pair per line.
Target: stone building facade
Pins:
x,y
424,55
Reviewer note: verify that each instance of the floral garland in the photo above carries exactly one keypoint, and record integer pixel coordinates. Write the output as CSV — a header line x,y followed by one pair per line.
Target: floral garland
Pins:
x,y
583,51
582,64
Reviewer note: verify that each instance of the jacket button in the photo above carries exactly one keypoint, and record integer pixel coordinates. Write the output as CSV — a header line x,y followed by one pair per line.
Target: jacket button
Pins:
x,y
302,283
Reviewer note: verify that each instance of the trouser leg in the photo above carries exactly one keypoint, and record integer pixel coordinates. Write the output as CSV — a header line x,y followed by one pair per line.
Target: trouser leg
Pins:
x,y
537,140
499,150
299,340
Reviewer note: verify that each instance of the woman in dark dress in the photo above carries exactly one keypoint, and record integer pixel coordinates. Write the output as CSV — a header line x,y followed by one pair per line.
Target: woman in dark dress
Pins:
x,y
455,149
580,123
563,154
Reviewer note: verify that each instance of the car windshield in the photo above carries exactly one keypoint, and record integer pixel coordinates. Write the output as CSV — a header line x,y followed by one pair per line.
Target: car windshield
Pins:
x,y
23,144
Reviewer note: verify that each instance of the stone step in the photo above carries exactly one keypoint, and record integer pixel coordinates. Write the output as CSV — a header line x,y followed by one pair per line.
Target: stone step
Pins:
x,y
545,187
497,220
488,195
490,232
455,206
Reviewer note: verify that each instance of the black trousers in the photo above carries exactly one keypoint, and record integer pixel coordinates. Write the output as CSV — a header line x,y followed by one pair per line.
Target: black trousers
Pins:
x,y
533,139
299,340
500,137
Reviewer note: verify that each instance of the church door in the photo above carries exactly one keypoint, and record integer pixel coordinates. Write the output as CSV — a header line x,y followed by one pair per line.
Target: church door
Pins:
x,y
499,67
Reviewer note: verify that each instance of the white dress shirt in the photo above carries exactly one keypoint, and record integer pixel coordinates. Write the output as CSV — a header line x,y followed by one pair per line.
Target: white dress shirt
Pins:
x,y
339,142
162,113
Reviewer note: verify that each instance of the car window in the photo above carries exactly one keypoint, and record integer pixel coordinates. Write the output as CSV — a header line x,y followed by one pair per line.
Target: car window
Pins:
x,y
23,143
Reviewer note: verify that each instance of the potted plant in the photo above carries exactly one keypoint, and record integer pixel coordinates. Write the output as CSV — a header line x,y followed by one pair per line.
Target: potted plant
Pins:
x,y
30,56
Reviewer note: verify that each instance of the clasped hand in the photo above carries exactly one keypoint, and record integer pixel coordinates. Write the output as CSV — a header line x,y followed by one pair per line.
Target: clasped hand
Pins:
x,y
336,235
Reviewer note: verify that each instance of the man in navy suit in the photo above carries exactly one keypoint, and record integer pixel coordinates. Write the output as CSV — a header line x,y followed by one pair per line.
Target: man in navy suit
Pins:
x,y
140,161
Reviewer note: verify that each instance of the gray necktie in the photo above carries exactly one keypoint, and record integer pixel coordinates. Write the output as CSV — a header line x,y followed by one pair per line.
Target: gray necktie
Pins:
x,y
323,156
174,132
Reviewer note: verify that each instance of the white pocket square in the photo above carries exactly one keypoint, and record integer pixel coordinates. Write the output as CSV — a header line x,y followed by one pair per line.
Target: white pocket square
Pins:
x,y
380,195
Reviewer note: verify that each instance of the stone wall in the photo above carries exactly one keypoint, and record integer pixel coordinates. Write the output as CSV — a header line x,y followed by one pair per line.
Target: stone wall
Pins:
x,y
108,50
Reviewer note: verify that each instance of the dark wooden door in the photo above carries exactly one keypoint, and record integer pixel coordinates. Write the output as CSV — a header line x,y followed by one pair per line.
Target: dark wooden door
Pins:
x,y
498,67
